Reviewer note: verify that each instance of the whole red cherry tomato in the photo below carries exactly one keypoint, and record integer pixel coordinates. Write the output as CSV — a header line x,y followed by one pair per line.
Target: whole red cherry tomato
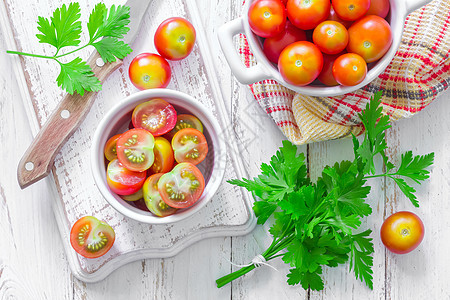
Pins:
x,y
334,17
307,14
300,63
267,18
349,69
331,37
370,37
402,232
148,71
274,45
379,8
175,38
326,75
351,10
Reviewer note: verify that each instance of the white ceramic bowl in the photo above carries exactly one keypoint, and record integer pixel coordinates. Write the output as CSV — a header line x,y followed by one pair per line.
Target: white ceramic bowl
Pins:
x,y
117,121
267,70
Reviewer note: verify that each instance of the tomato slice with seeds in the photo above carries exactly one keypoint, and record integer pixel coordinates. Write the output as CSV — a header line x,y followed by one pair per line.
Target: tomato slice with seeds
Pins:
x,y
110,147
153,199
135,149
123,181
189,145
133,197
156,116
163,156
91,237
185,121
181,187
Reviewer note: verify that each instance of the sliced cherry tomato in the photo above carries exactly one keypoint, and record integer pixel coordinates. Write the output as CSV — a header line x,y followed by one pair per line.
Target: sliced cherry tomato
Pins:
x,y
326,75
350,10
123,181
135,149
181,187
331,37
189,145
274,45
175,38
300,63
370,37
91,237
185,121
307,14
133,197
379,8
148,71
110,147
163,156
153,199
157,116
267,17
334,17
349,69
402,232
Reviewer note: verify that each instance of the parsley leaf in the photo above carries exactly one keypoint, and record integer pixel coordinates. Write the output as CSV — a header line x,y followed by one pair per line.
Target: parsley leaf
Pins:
x,y
361,260
77,76
307,279
109,48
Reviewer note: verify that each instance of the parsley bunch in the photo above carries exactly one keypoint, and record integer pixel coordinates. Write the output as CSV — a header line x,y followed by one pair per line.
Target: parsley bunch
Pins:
x,y
315,224
106,28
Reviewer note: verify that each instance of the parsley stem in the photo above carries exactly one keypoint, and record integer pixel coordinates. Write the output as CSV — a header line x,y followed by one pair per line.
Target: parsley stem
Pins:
x,y
73,51
29,54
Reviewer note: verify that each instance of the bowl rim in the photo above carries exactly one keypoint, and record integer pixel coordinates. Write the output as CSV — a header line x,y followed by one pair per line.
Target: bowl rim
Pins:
x,y
177,98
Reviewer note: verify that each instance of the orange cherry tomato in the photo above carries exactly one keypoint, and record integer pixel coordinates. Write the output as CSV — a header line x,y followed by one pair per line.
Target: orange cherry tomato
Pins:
x,y
326,75
379,8
185,121
110,147
123,181
351,10
307,14
153,199
370,37
175,38
300,63
163,156
331,37
148,71
349,69
189,145
156,116
402,232
267,18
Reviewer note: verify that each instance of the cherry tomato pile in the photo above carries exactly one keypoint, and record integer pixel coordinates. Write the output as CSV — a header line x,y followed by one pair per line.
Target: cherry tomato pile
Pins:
x,y
332,41
155,160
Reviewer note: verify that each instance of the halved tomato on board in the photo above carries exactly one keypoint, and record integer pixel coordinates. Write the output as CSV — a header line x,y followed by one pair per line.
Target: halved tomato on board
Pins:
x,y
135,149
91,237
123,181
189,145
163,156
110,147
153,199
185,121
156,116
181,187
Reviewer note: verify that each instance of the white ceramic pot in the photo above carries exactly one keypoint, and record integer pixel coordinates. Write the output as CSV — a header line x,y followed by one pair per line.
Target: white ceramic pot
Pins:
x,y
117,121
264,69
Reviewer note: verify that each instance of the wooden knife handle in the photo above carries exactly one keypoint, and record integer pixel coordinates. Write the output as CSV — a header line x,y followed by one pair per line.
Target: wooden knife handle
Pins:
x,y
37,161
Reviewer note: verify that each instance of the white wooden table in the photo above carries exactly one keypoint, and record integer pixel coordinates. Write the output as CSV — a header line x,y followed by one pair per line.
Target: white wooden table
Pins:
x,y
33,264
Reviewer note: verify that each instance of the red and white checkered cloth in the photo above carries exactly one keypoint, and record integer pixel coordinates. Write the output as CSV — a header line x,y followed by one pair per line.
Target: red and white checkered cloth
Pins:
x,y
419,72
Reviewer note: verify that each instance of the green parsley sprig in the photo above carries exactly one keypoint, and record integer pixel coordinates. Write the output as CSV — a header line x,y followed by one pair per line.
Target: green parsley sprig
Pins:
x,y
63,29
315,224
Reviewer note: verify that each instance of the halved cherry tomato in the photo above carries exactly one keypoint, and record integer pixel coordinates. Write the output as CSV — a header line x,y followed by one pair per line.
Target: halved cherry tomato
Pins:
x,y
153,199
349,69
402,232
123,181
307,14
351,10
148,71
91,237
163,156
110,147
267,17
133,197
185,121
274,45
334,17
181,187
135,149
326,75
189,145
379,8
331,37
156,116
175,38
300,63
370,37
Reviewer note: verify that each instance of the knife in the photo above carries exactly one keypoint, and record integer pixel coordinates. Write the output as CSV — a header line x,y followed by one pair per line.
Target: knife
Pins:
x,y
38,160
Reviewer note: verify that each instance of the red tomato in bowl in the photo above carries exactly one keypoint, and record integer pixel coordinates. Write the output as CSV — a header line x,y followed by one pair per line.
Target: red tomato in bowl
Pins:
x,y
402,232
135,150
307,14
370,37
153,199
148,71
267,18
123,181
175,38
163,156
189,145
273,46
379,8
334,17
300,63
331,37
326,75
349,69
156,116
350,10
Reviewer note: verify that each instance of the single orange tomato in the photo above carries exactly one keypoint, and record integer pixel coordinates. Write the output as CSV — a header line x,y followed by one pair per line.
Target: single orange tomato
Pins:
x,y
351,10
148,71
163,156
175,38
331,37
267,17
307,14
349,69
402,232
379,8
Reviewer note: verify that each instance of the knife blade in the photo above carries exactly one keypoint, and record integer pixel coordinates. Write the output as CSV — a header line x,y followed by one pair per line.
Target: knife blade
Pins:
x,y
37,161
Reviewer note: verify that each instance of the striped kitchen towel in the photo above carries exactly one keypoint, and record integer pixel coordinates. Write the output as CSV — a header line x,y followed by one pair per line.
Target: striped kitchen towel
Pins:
x,y
419,72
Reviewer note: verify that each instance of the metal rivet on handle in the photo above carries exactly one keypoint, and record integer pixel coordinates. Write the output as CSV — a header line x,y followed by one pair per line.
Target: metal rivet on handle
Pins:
x,y
99,62
29,166
65,114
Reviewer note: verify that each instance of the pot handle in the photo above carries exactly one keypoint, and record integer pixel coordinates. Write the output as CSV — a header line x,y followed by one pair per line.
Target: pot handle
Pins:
x,y
412,5
243,74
